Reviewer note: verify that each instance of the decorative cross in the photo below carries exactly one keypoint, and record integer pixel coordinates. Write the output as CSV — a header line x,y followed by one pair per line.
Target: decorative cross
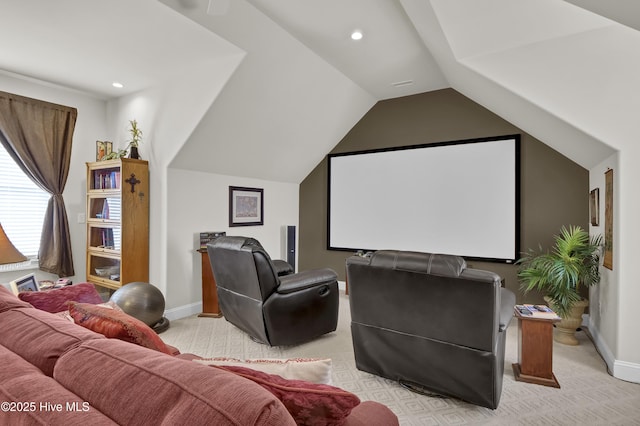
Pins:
x,y
132,181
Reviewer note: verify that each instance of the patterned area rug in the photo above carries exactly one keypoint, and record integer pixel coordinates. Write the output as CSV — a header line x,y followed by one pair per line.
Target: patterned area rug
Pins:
x,y
588,394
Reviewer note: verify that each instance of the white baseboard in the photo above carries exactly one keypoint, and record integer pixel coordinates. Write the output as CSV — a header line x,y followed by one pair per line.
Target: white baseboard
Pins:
x,y
183,311
627,371
601,345
623,370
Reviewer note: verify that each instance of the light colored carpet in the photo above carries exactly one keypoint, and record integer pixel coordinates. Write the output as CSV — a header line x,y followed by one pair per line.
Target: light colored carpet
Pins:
x,y
588,394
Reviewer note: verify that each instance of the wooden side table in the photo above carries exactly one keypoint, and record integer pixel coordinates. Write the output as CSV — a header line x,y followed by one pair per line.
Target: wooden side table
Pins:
x,y
535,351
210,306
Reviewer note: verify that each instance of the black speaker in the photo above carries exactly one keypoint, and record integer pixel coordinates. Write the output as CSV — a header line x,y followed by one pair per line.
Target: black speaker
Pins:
x,y
291,246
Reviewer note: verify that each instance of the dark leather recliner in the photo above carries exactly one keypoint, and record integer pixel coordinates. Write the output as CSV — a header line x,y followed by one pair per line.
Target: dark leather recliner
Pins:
x,y
266,299
429,322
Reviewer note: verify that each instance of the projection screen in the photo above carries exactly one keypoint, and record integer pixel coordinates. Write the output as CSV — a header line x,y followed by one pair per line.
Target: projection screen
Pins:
x,y
460,197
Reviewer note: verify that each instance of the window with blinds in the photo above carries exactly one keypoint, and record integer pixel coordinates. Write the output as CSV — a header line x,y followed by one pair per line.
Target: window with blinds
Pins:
x,y
22,206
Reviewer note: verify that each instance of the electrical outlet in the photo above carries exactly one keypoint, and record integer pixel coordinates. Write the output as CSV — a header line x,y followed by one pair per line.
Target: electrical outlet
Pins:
x,y
82,218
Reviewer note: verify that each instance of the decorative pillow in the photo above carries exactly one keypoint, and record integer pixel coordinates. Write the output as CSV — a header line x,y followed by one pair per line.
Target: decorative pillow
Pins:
x,y
308,403
66,315
314,370
116,324
56,300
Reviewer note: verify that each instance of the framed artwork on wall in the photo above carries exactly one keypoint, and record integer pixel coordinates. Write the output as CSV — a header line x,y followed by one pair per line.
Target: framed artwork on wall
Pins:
x,y
594,207
246,206
608,220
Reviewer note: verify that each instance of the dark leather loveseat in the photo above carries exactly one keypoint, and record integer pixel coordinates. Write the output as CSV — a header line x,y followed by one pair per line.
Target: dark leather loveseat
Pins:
x,y
430,323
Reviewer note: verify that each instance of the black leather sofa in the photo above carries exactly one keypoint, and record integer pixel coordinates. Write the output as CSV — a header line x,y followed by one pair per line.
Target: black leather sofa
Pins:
x,y
266,299
430,323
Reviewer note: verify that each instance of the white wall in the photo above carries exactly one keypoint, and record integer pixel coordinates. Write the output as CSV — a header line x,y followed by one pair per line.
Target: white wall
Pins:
x,y
167,115
603,298
198,202
613,313
626,228
90,126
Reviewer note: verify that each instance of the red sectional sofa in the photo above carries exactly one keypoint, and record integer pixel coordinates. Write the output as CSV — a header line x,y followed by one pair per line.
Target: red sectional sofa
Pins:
x,y
56,372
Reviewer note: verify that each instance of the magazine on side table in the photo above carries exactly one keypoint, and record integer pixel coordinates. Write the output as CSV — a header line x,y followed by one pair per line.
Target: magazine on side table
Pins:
x,y
536,311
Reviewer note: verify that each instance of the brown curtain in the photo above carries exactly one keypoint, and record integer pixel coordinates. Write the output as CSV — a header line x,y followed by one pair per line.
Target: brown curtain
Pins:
x,y
38,135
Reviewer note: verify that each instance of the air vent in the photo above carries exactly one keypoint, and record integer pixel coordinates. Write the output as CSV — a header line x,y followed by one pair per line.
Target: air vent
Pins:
x,y
402,83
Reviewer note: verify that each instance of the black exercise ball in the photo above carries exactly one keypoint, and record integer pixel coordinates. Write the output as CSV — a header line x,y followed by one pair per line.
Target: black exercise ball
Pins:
x,y
140,300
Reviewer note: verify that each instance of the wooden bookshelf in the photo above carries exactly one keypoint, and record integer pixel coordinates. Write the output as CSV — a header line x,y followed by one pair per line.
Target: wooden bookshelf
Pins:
x,y
117,215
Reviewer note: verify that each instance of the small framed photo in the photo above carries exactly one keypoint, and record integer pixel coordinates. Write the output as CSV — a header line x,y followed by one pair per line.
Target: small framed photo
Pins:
x,y
246,206
26,283
103,148
594,207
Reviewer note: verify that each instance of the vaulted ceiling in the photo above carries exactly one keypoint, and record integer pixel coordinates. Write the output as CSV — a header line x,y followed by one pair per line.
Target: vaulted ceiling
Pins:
x,y
561,70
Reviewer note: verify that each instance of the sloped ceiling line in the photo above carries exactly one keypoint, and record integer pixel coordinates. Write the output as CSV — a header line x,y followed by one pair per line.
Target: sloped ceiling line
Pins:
x,y
282,110
519,80
476,28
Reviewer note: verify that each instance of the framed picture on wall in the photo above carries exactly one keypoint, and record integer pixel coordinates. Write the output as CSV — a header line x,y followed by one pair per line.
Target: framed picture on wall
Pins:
x,y
246,206
608,220
594,207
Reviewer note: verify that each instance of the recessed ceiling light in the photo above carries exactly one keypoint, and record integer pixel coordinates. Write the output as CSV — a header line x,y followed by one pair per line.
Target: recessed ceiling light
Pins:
x,y
356,35
117,85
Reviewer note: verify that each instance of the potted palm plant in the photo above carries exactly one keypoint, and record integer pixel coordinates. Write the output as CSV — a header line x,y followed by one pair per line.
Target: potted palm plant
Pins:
x,y
574,261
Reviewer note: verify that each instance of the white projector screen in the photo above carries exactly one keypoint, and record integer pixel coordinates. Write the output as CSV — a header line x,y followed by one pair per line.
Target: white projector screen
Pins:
x,y
457,198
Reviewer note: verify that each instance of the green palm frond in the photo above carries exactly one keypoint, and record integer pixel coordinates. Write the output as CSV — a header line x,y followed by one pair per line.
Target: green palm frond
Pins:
x,y
573,261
